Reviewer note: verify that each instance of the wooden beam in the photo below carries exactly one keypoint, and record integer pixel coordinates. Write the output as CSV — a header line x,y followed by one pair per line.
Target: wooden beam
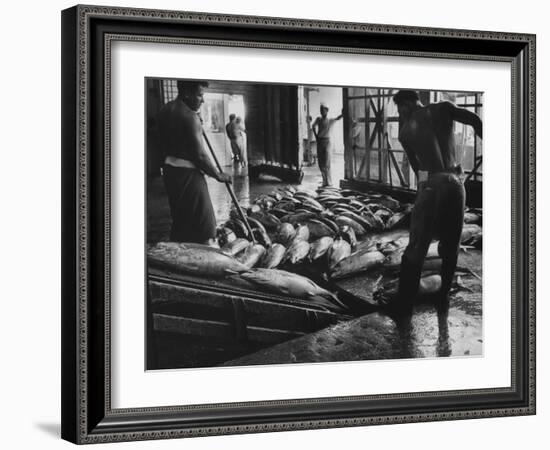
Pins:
x,y
208,328
195,303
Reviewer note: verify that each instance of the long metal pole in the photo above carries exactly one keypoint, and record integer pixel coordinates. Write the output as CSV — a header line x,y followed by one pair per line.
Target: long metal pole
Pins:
x,y
230,189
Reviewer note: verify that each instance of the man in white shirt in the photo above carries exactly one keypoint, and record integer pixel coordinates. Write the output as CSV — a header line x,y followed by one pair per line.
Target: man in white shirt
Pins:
x,y
322,129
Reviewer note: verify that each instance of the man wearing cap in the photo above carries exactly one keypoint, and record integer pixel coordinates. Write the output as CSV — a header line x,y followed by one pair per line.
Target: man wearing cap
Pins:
x,y
426,134
322,129
186,161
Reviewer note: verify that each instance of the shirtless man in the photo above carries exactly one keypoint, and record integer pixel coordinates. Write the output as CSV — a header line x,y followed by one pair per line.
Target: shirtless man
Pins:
x,y
322,129
186,162
426,133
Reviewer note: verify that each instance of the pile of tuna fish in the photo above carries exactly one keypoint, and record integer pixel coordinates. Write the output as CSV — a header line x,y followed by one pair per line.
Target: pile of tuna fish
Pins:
x,y
337,233
329,228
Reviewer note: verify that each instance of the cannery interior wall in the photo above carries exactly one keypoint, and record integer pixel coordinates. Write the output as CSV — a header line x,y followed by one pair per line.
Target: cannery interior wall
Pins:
x,y
270,118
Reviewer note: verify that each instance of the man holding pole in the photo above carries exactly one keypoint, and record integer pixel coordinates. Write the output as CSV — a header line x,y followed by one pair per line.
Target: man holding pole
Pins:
x,y
185,162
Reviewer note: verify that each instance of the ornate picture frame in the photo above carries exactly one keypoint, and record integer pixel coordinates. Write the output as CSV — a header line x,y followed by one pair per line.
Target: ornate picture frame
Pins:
x,y
88,33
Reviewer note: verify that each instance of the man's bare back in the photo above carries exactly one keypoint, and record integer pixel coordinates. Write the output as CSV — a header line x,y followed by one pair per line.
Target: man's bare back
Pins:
x,y
426,133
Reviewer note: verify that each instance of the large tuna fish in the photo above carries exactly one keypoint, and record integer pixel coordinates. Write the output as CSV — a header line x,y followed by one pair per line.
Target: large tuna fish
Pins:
x,y
261,237
256,224
318,229
389,247
327,219
340,249
470,217
347,233
429,285
389,202
238,227
344,220
471,235
273,256
323,199
292,285
251,255
357,218
235,247
287,205
393,259
297,251
302,233
225,236
298,217
196,259
285,233
329,203
269,221
375,223
313,204
356,263
369,245
302,195
356,205
320,247
278,212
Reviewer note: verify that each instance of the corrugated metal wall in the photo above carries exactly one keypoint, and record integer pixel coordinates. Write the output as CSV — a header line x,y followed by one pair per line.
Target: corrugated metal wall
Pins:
x,y
274,111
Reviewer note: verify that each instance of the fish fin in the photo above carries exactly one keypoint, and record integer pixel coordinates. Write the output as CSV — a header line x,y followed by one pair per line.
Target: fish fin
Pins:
x,y
337,301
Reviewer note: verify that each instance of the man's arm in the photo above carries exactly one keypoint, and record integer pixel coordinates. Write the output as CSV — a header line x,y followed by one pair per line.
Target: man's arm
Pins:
x,y
315,124
411,156
200,156
466,117
227,131
340,116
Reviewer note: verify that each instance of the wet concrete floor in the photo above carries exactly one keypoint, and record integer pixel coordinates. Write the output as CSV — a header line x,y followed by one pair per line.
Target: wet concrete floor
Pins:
x,y
429,332
457,332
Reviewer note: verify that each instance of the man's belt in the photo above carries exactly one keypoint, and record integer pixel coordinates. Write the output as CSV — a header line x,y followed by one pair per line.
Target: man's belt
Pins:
x,y
179,162
423,175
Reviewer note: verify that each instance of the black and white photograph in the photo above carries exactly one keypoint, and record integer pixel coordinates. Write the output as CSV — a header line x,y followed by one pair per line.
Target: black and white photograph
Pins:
x,y
296,224
275,225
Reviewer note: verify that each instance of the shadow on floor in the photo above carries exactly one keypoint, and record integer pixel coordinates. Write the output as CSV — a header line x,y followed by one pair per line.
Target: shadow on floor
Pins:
x,y
52,429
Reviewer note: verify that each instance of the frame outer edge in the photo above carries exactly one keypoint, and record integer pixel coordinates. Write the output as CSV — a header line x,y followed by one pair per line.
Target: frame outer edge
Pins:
x,y
69,264
297,23
79,240
532,142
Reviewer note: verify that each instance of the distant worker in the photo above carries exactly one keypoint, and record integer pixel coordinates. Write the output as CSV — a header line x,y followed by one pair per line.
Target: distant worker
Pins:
x,y
240,141
322,129
235,130
186,161
426,134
